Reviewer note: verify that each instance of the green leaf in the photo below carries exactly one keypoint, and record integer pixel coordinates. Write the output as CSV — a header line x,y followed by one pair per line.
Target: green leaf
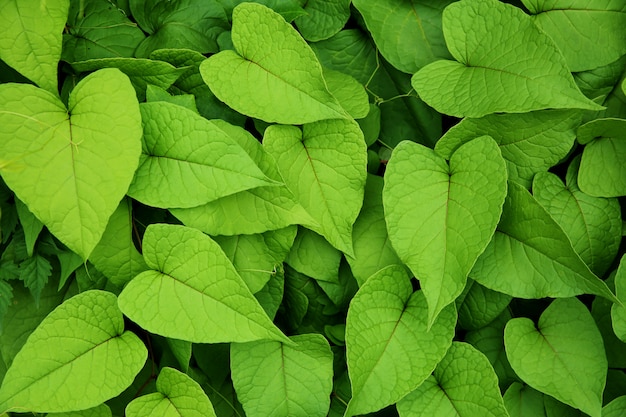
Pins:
x,y
32,225
602,172
480,306
593,224
323,18
154,93
182,24
440,218
72,166
31,38
535,254
94,30
615,408
324,166
275,380
348,91
312,255
192,280
273,75
563,356
101,410
578,27
529,142
523,401
613,346
35,271
82,350
408,33
271,295
187,160
618,312
115,255
6,297
462,385
505,64
390,352
177,396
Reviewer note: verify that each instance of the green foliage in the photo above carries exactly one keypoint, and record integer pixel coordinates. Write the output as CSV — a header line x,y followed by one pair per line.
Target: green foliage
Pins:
x,y
233,208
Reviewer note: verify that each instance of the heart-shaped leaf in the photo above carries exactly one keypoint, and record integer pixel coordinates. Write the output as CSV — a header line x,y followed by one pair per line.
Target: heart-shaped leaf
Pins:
x,y
390,351
563,356
193,281
440,218
71,166
505,64
80,349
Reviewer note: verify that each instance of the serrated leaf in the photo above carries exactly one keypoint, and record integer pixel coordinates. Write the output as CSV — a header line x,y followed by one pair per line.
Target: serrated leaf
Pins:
x,y
577,27
192,280
273,75
312,255
322,18
177,396
529,142
504,63
35,271
324,166
71,166
274,380
31,39
535,254
390,352
563,356
440,218
82,350
463,385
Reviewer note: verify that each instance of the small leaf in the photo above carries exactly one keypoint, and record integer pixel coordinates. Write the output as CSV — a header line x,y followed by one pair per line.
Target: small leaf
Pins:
x,y
323,18
390,352
349,92
35,271
312,255
615,408
563,356
32,225
480,306
192,280
82,350
505,64
523,401
177,395
275,380
273,75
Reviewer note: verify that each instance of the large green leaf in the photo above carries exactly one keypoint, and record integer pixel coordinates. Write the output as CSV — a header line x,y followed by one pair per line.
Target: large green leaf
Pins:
x,y
275,380
534,253
390,352
324,166
177,396
529,142
463,385
563,356
193,281
273,75
579,26
80,349
71,166
593,224
440,218
505,64
408,33
31,38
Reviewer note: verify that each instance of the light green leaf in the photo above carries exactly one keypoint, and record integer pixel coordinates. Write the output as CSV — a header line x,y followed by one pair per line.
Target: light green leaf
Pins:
x,y
323,18
94,30
325,167
602,170
271,295
32,225
273,75
31,38
187,160
193,281
181,349
615,408
618,312
348,91
80,349
463,385
275,206
72,166
505,64
182,24
154,93
598,83
101,410
529,142
524,401
579,26
479,306
545,263
257,257
390,352
440,218
593,224
275,380
408,33
177,396
563,356
115,255
312,255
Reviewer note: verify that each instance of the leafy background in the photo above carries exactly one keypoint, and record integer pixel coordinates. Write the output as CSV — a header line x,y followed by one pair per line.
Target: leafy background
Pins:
x,y
312,208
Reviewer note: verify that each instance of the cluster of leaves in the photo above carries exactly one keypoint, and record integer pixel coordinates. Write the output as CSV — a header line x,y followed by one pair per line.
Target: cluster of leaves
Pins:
x,y
312,208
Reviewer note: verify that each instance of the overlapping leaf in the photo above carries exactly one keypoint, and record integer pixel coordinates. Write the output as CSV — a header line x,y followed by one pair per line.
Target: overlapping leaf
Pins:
x,y
312,255
323,18
618,312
